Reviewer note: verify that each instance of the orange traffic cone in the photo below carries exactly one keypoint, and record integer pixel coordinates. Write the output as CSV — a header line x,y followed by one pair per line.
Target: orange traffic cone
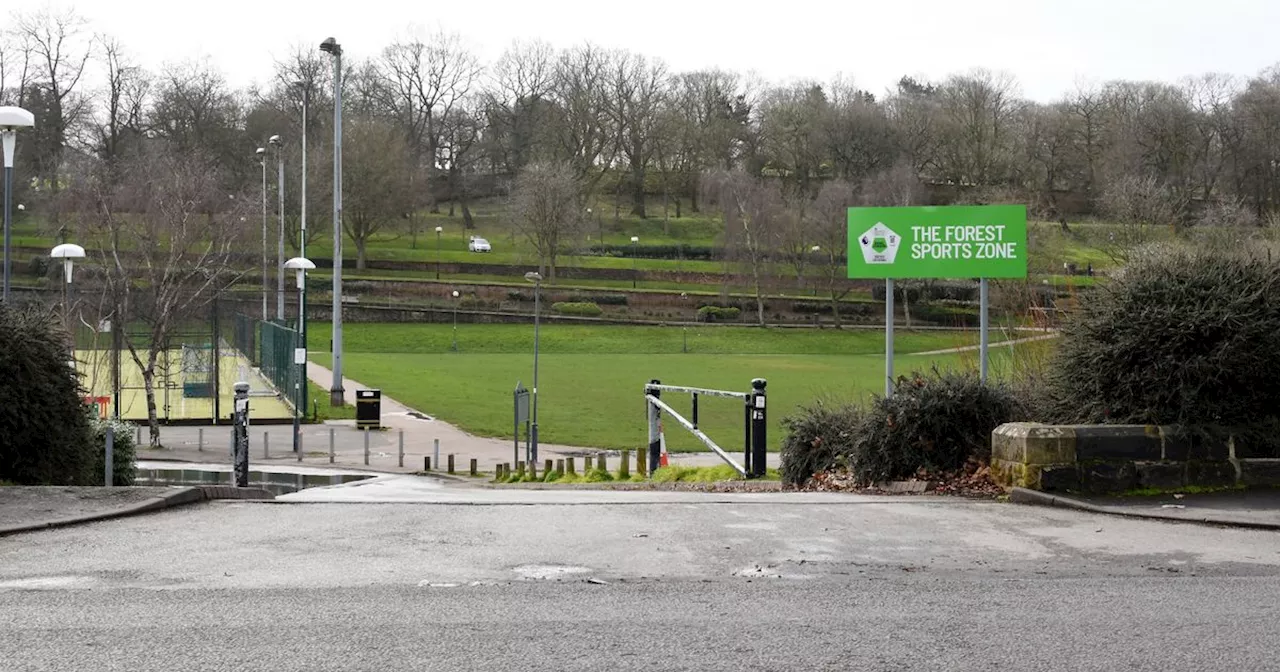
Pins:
x,y
662,441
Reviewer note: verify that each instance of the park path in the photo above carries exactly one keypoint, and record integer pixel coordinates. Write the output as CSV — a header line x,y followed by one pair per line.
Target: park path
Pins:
x,y
1001,344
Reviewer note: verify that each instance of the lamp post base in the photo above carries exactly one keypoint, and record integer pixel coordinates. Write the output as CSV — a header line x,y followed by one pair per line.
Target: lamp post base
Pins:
x,y
337,397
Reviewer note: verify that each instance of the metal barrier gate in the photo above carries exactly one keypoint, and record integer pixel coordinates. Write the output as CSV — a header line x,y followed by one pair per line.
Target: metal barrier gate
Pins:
x,y
754,462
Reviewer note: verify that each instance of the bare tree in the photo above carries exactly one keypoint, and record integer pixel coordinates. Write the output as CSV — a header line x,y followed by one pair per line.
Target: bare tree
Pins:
x,y
517,103
1139,205
638,94
376,165
122,121
545,209
898,186
164,233
584,132
828,215
753,209
978,110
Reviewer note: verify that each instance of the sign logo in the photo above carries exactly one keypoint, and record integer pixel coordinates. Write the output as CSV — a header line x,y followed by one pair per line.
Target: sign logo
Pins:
x,y
879,244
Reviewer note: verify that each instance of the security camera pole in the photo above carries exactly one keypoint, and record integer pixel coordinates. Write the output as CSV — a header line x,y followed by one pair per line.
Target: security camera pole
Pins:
x,y
276,143
11,119
536,278
301,265
336,393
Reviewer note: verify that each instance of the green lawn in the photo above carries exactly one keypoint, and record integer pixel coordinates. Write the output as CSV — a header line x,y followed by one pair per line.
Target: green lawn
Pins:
x,y
591,378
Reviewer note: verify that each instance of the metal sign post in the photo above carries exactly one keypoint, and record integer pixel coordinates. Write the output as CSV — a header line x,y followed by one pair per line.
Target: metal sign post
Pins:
x,y
240,432
521,400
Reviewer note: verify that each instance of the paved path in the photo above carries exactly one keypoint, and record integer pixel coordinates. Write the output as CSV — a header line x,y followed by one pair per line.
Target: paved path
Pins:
x,y
863,585
420,431
974,348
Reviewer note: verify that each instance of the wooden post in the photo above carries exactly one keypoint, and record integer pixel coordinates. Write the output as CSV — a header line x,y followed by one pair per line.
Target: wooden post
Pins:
x,y
533,470
602,463
624,471
560,466
451,463
640,463
569,466
475,466
426,463
546,466
520,470
586,464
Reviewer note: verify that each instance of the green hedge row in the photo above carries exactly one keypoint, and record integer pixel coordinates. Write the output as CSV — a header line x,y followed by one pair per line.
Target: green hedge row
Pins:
x,y
694,252
579,308
718,314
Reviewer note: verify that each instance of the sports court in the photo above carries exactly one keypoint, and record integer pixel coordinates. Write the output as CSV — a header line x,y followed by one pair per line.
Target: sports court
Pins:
x,y
184,384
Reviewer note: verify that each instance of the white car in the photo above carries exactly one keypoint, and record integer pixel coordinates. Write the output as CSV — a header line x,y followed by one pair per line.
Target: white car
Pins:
x,y
479,245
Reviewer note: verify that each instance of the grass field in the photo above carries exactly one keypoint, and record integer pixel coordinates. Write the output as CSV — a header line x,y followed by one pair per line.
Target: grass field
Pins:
x,y
591,378
95,365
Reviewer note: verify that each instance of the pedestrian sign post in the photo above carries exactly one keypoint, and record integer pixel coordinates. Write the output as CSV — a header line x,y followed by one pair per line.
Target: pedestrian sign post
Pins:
x,y
958,241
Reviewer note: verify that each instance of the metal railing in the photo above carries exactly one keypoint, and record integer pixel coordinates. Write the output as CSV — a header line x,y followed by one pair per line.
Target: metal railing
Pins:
x,y
753,464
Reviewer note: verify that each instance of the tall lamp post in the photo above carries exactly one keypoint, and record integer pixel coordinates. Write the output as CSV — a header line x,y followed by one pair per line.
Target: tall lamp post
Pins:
x,y
439,230
262,161
455,320
11,119
634,269
301,265
68,253
278,145
815,250
330,46
536,278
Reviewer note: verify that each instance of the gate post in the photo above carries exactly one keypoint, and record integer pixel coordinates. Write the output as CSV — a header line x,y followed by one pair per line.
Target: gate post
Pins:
x,y
759,443
655,444
240,432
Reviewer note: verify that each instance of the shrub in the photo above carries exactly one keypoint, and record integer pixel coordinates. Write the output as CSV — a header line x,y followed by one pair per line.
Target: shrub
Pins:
x,y
517,295
701,252
718,314
934,422
1178,337
123,450
38,267
579,308
44,429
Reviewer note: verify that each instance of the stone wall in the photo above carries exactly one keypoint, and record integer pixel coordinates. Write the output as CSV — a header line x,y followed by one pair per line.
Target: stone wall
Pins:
x,y
1116,458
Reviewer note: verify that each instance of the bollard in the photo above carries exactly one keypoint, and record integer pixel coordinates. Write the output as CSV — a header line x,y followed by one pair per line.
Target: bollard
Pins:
x,y
533,470
546,467
240,435
451,463
640,464
330,445
401,451
266,445
366,446
426,463
137,438
437,452
759,426
655,429
569,466
200,440
602,463
559,466
475,466
520,470
107,477
586,464
497,472
298,439
624,471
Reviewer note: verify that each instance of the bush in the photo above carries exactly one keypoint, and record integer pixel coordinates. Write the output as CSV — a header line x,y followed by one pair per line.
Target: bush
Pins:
x,y
718,314
934,423
517,295
45,437
123,450
38,267
1178,337
579,308
700,252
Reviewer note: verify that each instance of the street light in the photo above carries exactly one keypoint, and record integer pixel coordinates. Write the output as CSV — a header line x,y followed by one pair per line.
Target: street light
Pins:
x,y
439,230
277,144
536,278
634,271
302,208
455,320
330,46
301,265
262,161
11,119
68,253
815,249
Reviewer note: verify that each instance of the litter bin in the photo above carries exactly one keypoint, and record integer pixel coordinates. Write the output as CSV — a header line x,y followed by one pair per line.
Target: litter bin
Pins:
x,y
368,409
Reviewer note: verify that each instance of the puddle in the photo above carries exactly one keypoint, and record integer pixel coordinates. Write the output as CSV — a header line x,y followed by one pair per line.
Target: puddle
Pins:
x,y
535,572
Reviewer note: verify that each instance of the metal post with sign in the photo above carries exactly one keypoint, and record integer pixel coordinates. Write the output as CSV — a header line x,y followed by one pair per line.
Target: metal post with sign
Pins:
x,y
240,435
956,241
521,396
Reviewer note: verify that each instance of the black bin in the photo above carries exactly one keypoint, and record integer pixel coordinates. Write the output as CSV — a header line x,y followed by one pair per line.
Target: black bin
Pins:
x,y
368,409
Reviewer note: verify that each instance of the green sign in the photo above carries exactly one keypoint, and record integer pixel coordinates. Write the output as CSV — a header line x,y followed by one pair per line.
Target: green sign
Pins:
x,y
956,241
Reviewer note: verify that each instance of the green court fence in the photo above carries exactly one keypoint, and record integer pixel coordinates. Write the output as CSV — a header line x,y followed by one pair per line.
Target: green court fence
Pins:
x,y
275,358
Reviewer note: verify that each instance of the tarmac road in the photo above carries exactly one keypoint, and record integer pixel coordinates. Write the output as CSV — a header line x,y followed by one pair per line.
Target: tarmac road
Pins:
x,y
768,585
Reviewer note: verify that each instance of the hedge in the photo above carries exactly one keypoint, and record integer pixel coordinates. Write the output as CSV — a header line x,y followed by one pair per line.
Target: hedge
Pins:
x,y
718,314
579,308
692,252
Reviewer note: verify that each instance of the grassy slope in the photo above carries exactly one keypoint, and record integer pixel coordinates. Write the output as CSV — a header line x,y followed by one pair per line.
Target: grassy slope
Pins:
x,y
591,377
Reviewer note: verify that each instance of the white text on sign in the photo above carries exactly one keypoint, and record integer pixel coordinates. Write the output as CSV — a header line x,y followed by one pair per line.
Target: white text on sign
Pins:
x,y
961,242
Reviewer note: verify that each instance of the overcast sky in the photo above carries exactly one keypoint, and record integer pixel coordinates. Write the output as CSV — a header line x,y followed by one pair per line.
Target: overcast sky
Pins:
x,y
1048,45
